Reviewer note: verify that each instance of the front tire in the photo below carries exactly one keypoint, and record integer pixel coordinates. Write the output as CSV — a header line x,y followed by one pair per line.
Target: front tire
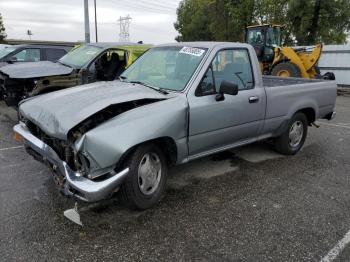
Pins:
x,y
146,181
293,138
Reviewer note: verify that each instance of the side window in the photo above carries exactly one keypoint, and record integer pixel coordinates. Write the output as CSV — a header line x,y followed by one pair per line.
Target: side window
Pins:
x,y
53,54
108,66
233,66
28,55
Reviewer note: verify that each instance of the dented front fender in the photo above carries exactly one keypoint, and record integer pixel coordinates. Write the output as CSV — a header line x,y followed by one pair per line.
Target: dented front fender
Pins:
x,y
107,143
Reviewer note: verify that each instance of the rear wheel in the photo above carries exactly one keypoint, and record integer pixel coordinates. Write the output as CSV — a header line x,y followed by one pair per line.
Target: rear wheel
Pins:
x,y
293,138
286,69
146,181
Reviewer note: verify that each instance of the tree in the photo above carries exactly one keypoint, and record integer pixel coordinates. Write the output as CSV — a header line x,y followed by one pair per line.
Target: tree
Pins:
x,y
224,20
326,21
193,20
309,22
2,31
219,20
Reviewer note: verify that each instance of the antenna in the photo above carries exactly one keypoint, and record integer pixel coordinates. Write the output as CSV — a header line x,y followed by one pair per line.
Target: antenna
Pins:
x,y
124,23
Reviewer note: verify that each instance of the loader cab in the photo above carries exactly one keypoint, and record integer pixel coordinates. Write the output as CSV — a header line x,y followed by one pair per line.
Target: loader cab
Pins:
x,y
264,39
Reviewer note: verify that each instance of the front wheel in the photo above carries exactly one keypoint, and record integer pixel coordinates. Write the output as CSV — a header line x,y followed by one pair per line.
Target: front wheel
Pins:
x,y
146,181
293,138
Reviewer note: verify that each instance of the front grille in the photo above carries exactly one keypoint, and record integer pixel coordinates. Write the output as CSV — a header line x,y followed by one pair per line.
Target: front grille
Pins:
x,y
61,147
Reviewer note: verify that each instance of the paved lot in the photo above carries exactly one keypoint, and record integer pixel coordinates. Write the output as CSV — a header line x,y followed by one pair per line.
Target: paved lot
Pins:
x,y
248,205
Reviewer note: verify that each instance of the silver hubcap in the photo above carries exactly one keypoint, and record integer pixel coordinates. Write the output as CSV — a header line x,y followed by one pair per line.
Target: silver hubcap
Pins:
x,y
149,173
296,133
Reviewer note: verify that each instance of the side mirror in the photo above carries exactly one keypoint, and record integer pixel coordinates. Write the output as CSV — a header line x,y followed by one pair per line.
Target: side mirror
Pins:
x,y
12,59
228,88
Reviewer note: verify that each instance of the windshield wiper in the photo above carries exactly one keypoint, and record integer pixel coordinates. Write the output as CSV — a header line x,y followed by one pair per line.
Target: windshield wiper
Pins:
x,y
162,91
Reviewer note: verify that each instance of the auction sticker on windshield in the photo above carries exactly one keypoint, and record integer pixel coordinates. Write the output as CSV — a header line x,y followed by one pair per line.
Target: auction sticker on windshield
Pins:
x,y
192,51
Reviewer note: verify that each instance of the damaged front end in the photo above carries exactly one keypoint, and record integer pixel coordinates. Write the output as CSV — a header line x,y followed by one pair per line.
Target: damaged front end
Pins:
x,y
70,179
83,160
12,91
76,172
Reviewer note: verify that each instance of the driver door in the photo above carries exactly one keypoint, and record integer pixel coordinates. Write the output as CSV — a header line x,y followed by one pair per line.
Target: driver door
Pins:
x,y
216,125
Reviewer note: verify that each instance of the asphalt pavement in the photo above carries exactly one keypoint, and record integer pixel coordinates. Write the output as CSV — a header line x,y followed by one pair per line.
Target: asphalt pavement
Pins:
x,y
249,204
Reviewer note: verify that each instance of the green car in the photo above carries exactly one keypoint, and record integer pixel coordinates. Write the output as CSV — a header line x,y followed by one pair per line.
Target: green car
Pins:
x,y
82,65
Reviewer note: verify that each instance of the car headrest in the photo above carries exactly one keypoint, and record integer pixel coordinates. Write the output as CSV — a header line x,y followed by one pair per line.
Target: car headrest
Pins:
x,y
115,57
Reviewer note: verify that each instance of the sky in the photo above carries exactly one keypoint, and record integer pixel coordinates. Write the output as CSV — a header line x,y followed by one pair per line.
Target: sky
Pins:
x,y
63,20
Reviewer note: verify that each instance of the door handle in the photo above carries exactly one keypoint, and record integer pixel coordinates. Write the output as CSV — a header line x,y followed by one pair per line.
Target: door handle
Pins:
x,y
253,99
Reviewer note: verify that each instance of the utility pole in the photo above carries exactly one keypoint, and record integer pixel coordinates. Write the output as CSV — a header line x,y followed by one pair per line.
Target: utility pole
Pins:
x,y
86,20
124,22
95,20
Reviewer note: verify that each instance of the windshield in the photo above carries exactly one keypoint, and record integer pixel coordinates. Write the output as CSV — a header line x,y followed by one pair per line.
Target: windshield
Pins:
x,y
165,67
255,37
4,51
81,56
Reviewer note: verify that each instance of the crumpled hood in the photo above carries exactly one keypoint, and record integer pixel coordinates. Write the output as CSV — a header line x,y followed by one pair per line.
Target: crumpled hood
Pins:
x,y
58,112
35,69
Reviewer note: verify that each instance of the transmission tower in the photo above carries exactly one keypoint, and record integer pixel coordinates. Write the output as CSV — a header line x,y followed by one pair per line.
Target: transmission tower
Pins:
x,y
124,23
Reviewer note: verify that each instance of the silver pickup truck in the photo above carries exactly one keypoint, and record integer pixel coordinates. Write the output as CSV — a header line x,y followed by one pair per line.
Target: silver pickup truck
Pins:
x,y
176,103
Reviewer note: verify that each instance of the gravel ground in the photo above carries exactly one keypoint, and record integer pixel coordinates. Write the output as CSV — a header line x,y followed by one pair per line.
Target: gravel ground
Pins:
x,y
250,204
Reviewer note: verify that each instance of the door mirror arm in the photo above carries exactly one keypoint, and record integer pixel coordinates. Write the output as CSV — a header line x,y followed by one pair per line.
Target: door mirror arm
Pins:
x,y
220,97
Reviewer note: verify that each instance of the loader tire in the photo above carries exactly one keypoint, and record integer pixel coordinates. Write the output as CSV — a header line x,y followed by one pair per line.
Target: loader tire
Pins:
x,y
286,69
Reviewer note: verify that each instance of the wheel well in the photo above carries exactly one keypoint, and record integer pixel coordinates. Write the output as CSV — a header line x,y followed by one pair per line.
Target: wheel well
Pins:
x,y
309,113
167,144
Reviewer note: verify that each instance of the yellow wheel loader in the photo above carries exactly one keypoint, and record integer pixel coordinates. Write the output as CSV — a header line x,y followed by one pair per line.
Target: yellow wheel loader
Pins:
x,y
283,61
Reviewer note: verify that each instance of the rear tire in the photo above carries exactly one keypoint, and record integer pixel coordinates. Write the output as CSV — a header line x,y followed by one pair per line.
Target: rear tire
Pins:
x,y
146,181
286,69
293,138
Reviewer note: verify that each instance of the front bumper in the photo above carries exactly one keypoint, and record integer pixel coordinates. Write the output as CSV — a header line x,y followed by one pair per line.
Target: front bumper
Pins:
x,y
75,184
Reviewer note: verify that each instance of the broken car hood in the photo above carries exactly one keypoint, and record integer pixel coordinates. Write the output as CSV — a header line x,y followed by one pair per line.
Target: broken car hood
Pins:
x,y
35,69
58,112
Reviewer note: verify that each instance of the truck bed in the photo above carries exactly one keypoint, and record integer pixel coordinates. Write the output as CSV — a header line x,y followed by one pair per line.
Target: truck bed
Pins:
x,y
270,81
285,96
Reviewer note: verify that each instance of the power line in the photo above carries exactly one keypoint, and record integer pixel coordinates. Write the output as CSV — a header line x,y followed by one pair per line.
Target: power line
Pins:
x,y
144,6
